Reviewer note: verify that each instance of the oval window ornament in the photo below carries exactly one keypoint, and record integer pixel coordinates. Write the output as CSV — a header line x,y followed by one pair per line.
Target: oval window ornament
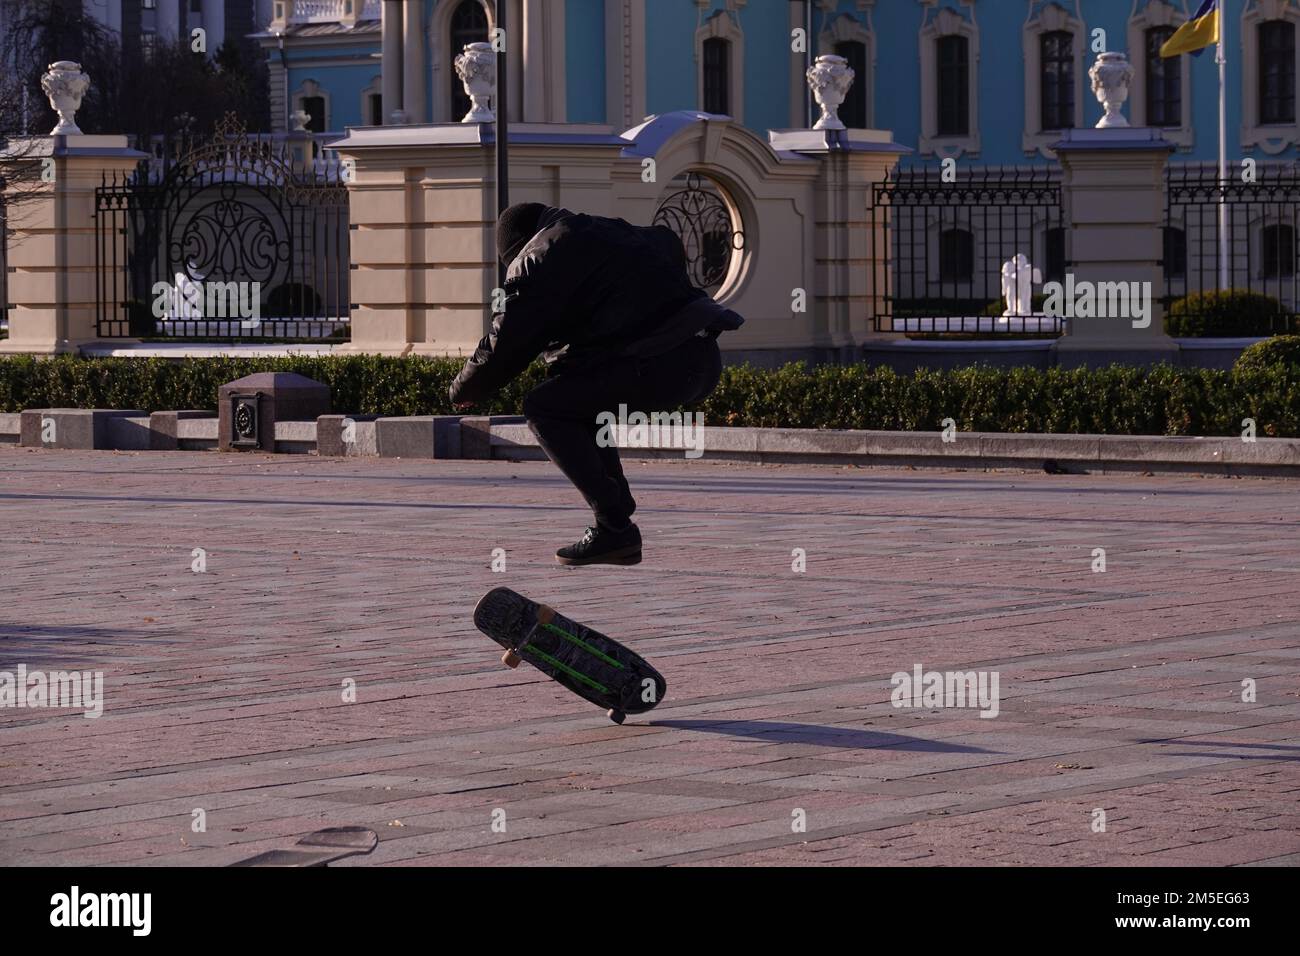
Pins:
x,y
698,211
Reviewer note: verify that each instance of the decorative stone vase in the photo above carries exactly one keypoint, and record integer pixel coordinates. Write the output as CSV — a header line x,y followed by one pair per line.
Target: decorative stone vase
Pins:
x,y
829,79
477,69
1111,75
65,85
300,120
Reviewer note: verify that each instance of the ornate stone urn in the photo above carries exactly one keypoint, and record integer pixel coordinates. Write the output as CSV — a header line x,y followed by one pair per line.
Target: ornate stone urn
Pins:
x,y
300,120
829,79
1111,75
477,69
65,85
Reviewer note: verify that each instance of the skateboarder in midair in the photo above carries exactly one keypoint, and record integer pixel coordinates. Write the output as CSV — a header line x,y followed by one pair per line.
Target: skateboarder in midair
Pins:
x,y
612,307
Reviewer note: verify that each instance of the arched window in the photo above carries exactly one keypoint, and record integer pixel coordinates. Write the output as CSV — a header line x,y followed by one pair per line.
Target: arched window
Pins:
x,y
469,24
953,57
854,110
314,106
956,256
1277,72
1278,252
1057,80
717,76
1164,81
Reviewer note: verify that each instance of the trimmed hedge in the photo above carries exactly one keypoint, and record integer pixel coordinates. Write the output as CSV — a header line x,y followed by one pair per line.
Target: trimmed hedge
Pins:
x,y
1281,350
1114,401
1229,313
358,383
1118,400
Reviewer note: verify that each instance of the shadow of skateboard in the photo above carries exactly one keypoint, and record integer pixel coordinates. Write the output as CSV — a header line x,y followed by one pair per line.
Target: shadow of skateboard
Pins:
x,y
318,849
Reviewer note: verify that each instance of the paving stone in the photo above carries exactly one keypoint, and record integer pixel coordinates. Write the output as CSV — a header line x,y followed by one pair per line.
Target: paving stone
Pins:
x,y
224,689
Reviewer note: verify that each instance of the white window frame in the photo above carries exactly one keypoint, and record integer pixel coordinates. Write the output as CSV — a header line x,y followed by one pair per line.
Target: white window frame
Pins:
x,y
376,88
724,25
1160,13
443,68
847,28
309,88
1049,18
1271,139
937,23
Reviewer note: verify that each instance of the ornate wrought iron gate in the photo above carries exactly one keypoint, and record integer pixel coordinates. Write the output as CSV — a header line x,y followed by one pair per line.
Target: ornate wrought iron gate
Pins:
x,y
235,239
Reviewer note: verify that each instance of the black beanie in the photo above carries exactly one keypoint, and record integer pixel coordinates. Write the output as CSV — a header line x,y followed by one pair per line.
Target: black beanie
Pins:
x,y
515,226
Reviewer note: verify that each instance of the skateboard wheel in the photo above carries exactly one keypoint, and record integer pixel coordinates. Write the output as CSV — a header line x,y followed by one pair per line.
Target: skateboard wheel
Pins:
x,y
511,659
545,614
616,715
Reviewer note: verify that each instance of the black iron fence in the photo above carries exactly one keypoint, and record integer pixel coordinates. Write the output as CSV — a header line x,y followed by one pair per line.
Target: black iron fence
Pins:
x,y
235,239
1253,252
947,246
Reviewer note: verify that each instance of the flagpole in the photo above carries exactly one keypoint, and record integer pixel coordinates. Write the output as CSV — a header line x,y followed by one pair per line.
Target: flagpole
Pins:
x,y
1223,150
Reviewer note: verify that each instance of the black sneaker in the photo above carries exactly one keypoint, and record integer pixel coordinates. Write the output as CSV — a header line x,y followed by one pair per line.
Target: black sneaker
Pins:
x,y
599,545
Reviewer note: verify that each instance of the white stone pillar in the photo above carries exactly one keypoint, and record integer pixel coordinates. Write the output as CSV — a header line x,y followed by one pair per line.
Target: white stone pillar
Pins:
x,y
544,87
413,98
169,21
391,60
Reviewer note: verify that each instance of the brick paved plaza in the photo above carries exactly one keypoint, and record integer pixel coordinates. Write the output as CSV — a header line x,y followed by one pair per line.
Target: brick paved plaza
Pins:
x,y
224,689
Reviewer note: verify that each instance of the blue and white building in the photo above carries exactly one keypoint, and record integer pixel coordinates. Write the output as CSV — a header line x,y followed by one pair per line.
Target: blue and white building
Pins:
x,y
993,81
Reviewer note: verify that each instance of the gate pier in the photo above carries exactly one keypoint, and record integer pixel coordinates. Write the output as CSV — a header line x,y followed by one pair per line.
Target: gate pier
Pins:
x,y
52,250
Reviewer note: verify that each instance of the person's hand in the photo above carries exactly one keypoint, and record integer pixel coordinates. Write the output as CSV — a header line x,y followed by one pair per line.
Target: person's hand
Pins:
x,y
463,406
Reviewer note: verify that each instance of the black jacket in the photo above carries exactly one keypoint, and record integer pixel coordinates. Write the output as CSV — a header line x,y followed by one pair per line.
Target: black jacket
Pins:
x,y
585,290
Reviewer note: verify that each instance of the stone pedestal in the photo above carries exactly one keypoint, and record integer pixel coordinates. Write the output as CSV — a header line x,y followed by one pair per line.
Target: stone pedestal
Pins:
x,y
72,428
1114,188
164,427
51,248
249,407
851,275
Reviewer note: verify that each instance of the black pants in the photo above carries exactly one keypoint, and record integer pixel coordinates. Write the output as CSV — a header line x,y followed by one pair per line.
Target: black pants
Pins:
x,y
562,414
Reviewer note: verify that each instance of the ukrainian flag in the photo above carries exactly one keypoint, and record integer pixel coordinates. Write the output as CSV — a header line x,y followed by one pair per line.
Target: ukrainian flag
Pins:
x,y
1196,34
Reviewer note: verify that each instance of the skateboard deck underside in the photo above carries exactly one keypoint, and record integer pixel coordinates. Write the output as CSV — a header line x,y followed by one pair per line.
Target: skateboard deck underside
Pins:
x,y
585,661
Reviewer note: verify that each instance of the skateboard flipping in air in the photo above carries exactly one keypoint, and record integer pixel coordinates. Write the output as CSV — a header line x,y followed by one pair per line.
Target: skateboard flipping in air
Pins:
x,y
587,662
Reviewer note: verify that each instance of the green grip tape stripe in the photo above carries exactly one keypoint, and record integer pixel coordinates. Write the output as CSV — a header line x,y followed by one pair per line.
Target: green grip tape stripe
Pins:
x,y
558,665
583,644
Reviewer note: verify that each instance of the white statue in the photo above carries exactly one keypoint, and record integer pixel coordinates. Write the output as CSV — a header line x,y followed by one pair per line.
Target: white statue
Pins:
x,y
65,85
829,79
1018,278
477,69
185,302
1111,75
